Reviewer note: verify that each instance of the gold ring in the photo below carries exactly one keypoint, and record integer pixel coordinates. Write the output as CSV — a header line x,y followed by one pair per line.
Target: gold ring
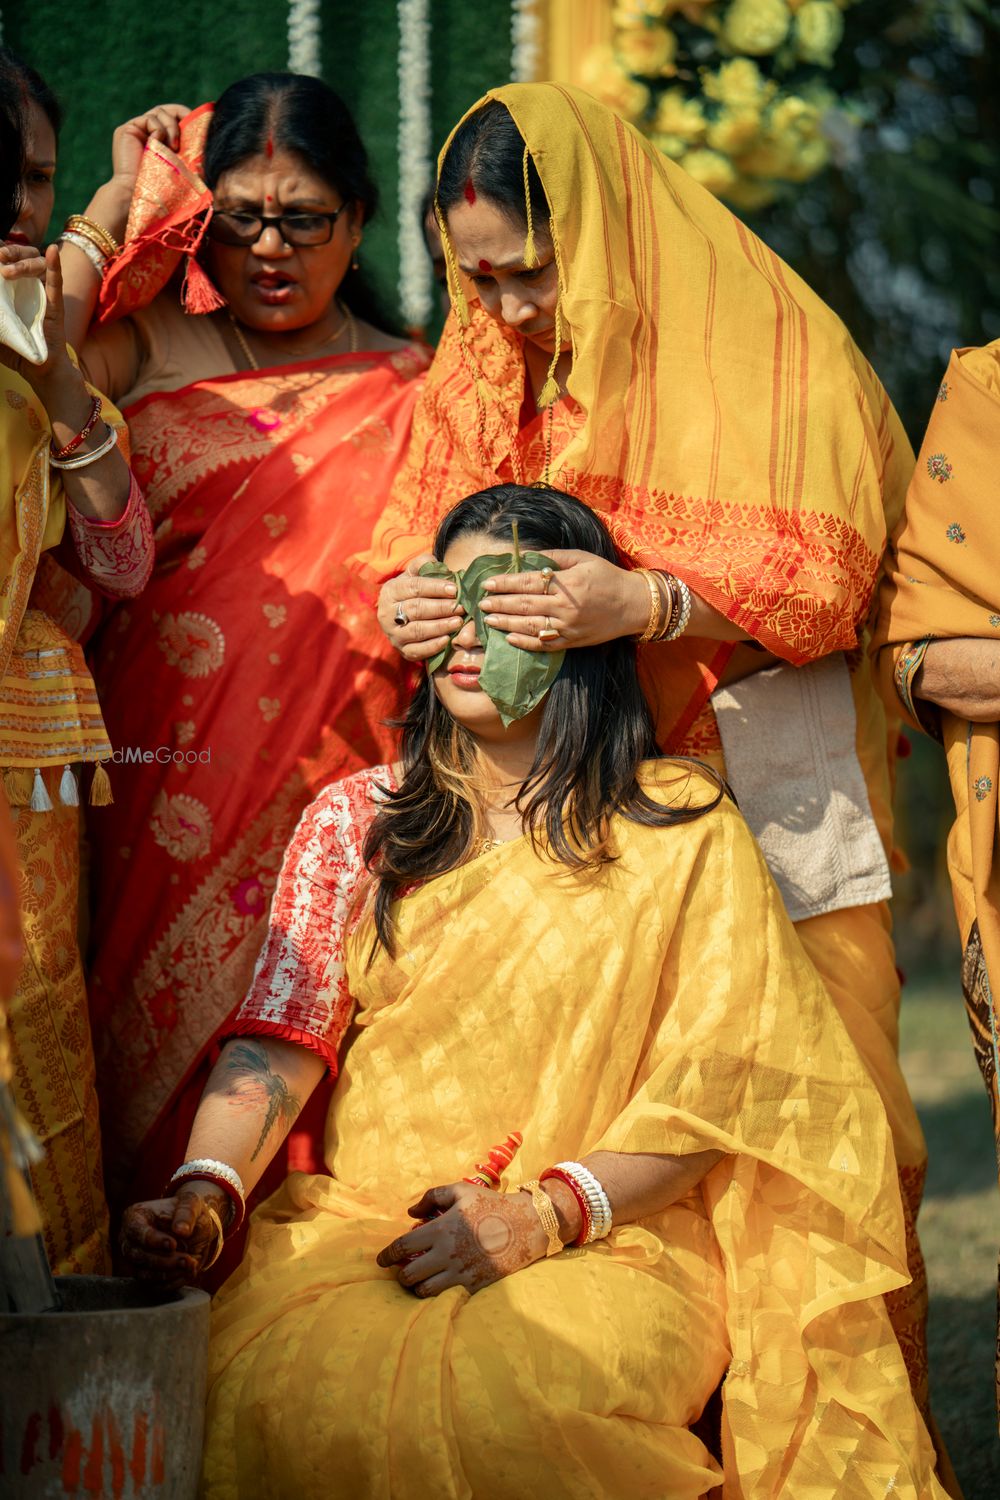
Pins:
x,y
548,634
547,574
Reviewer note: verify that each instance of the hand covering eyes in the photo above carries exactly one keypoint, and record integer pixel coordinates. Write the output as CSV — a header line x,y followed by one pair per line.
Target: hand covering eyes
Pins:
x,y
516,681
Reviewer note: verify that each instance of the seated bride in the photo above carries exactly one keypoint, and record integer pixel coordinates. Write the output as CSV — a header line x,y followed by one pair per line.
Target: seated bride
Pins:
x,y
598,1142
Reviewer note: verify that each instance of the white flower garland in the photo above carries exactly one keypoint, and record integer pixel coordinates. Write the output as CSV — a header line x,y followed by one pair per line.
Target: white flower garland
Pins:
x,y
525,41
304,37
415,167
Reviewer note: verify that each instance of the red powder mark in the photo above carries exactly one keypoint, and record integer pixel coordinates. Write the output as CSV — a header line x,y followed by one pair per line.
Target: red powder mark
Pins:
x,y
484,265
72,1455
269,147
93,1474
117,1457
56,1432
137,1467
157,1466
29,1443
470,192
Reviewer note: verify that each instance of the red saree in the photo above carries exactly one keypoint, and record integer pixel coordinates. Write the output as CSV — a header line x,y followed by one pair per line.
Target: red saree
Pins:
x,y
249,674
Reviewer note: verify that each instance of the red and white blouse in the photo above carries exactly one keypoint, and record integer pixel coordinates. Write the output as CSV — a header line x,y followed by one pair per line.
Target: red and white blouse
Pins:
x,y
299,989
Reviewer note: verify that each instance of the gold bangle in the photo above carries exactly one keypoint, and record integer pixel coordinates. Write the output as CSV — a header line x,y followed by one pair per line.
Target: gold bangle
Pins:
x,y
545,1209
96,233
220,1233
655,607
672,603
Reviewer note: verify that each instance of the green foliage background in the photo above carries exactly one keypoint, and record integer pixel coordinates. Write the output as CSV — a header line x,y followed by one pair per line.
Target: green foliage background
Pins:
x,y
111,60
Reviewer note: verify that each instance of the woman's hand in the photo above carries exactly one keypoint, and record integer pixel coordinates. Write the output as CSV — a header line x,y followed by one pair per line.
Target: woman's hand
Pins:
x,y
172,1240
130,140
470,1237
429,605
588,601
23,262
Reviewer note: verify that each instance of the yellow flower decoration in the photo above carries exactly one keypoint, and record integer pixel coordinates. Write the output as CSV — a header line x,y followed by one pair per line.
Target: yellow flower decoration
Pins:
x,y
608,82
679,120
647,50
734,130
739,83
819,27
713,170
756,26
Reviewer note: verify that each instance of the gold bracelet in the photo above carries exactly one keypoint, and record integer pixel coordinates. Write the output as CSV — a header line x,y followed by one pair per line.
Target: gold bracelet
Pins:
x,y
220,1233
545,1209
95,233
672,603
655,607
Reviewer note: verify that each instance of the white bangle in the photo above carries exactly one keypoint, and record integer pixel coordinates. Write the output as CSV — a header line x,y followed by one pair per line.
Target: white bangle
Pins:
x,y
207,1166
90,250
84,460
597,1199
683,614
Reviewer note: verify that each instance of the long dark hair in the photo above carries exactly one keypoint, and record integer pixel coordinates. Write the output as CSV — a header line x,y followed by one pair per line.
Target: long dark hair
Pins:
x,y
11,148
33,88
487,150
303,115
596,730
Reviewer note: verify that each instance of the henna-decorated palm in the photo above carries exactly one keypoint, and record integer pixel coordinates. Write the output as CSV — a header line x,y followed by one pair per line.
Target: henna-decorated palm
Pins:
x,y
470,1237
171,1240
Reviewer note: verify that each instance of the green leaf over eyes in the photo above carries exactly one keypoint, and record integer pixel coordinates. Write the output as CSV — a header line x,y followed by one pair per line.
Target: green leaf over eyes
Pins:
x,y
514,679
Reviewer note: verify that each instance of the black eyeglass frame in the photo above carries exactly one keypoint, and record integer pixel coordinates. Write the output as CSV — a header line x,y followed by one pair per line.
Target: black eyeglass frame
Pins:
x,y
266,220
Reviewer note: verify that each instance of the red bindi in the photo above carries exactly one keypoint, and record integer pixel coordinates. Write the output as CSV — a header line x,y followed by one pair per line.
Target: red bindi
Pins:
x,y
470,192
484,265
269,146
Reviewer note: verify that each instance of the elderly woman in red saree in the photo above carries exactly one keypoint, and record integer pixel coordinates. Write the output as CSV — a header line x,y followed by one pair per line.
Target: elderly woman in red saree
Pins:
x,y
620,331
268,415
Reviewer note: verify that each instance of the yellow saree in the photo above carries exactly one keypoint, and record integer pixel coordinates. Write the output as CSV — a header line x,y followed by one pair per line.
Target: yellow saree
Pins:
x,y
662,1006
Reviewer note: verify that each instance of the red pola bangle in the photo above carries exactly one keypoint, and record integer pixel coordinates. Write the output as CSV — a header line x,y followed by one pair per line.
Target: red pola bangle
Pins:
x,y
586,1218
95,411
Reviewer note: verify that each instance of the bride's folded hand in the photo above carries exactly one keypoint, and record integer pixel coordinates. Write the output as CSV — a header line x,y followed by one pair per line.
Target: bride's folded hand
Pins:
x,y
470,1237
171,1240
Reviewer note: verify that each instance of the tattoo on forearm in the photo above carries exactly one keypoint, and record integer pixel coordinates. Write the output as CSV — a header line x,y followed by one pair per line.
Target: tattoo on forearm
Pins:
x,y
251,1082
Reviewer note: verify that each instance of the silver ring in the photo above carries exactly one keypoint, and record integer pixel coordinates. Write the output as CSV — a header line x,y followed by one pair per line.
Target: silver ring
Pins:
x,y
401,617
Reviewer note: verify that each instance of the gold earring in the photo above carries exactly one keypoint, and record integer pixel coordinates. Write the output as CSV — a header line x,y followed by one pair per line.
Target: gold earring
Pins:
x,y
354,262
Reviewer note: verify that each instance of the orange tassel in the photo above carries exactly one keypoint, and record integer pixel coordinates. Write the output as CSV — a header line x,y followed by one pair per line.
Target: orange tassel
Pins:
x,y
199,294
488,1173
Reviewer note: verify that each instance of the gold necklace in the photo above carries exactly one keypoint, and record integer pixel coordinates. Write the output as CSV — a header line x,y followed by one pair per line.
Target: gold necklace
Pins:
x,y
348,322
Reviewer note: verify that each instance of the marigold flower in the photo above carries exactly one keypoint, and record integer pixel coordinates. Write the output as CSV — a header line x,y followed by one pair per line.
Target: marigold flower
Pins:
x,y
739,83
756,26
734,130
679,117
819,27
605,78
713,170
647,50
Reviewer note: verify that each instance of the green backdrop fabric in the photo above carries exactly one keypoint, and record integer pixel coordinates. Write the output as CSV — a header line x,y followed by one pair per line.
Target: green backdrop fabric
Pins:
x,y
112,60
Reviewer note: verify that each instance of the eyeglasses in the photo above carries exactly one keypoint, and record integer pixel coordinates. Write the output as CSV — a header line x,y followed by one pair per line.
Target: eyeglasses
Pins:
x,y
295,229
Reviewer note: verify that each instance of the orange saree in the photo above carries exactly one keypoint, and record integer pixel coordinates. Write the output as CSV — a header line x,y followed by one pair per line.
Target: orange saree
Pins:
x,y
249,674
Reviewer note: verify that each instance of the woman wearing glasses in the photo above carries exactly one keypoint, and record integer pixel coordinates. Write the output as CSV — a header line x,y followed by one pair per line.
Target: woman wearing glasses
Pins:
x,y
268,413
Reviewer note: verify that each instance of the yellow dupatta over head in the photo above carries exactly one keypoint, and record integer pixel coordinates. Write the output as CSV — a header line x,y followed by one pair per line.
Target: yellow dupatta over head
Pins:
x,y
720,417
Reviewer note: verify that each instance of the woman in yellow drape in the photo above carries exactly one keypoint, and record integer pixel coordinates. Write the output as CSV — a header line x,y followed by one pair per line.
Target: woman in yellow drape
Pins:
x,y
717,415
572,946
938,642
50,719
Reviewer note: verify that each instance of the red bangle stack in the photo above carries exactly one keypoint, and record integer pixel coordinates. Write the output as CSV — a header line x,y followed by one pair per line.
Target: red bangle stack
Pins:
x,y
574,1188
237,1206
95,411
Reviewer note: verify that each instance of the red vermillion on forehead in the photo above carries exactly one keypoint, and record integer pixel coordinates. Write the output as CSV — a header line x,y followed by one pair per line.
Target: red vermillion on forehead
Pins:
x,y
484,265
470,192
269,147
